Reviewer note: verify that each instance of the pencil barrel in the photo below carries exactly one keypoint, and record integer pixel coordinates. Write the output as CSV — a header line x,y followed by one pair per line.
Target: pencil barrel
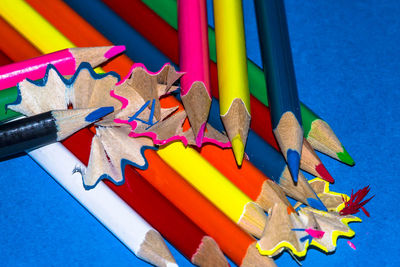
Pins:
x,y
28,133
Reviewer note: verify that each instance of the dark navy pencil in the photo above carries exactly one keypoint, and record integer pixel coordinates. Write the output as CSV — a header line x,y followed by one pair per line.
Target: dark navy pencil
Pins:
x,y
268,160
45,128
281,81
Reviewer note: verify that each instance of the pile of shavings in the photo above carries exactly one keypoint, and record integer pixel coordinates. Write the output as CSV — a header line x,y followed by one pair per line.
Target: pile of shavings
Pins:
x,y
137,113
308,227
139,122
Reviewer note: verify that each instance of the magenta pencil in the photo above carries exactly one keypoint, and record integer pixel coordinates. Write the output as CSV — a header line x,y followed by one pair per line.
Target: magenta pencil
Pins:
x,y
194,61
66,61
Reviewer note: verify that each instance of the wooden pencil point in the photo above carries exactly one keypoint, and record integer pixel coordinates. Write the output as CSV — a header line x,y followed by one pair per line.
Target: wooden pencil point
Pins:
x,y
311,163
322,138
209,254
95,55
253,219
271,193
237,123
155,251
289,135
253,258
197,104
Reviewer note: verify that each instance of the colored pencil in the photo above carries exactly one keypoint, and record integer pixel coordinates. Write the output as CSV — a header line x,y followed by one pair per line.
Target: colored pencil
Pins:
x,y
273,165
232,73
316,131
11,37
63,18
260,114
193,48
66,61
45,128
145,242
281,80
178,229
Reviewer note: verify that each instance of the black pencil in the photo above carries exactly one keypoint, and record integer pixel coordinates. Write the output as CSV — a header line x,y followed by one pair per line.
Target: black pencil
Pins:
x,y
45,128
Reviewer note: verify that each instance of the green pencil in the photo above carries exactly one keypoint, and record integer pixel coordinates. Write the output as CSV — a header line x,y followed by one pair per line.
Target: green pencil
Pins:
x,y
317,132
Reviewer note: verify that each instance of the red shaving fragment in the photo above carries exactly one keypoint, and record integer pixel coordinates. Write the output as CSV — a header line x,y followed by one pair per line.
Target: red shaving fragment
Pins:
x,y
355,203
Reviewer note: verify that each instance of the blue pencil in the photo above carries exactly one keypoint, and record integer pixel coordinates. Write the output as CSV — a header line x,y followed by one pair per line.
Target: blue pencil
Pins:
x,y
281,80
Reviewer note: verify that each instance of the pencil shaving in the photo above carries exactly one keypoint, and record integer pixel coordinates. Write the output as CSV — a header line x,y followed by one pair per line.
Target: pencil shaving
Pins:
x,y
137,113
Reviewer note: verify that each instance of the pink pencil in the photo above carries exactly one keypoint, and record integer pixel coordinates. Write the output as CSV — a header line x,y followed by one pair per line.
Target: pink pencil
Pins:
x,y
66,61
194,61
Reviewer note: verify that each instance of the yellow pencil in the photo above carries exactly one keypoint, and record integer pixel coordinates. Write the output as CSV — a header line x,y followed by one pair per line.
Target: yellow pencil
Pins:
x,y
33,27
233,85
215,187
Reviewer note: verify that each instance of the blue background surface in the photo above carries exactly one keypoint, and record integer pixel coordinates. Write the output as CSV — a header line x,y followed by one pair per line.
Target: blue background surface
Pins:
x,y
347,62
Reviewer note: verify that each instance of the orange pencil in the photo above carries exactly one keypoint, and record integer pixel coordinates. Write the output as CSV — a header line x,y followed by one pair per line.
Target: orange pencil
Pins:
x,y
10,37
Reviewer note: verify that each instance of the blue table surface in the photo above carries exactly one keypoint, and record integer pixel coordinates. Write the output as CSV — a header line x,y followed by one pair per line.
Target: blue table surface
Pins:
x,y
347,62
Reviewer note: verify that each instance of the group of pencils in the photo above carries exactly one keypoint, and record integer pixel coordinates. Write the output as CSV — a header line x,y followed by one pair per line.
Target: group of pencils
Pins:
x,y
223,196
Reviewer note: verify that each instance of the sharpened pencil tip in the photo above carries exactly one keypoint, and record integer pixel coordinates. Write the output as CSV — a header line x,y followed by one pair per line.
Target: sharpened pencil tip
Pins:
x,y
115,50
98,113
200,135
345,157
238,149
293,160
323,172
316,203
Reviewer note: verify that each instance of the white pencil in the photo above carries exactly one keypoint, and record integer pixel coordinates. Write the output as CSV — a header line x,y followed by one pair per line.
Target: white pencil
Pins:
x,y
105,205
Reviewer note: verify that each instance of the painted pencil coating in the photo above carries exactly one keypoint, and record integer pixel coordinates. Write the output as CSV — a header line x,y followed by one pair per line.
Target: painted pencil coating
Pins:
x,y
19,14
281,80
45,128
12,37
193,44
167,10
232,73
35,68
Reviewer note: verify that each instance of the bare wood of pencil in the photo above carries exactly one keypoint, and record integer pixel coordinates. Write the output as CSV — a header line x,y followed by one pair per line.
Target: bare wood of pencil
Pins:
x,y
45,128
